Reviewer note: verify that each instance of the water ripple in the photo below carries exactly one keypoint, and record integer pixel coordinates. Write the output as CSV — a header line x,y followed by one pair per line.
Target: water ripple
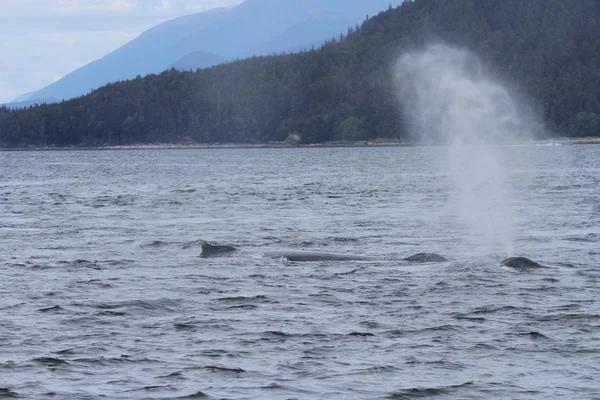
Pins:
x,y
104,295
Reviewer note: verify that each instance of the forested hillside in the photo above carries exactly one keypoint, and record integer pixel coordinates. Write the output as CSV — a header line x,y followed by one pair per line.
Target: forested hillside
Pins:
x,y
344,90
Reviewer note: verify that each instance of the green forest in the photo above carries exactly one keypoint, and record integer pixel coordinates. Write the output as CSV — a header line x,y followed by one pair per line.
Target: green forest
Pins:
x,y
342,91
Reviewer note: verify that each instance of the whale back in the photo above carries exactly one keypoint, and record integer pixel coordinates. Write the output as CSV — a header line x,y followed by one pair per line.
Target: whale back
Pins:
x,y
300,256
425,257
216,250
520,263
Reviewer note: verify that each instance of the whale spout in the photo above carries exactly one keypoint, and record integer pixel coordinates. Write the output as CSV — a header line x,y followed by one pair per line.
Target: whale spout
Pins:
x,y
425,257
520,263
216,250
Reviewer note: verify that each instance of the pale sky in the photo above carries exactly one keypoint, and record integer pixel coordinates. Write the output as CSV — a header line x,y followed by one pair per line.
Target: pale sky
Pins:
x,y
43,40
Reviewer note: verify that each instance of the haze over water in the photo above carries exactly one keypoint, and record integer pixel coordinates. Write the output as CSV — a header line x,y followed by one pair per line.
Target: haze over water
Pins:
x,y
103,293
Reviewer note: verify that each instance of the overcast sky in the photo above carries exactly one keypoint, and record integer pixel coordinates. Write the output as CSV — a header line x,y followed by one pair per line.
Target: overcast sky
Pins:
x,y
43,40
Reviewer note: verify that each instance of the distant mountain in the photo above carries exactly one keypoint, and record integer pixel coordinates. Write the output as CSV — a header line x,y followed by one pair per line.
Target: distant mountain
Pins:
x,y
344,90
255,27
198,59
21,98
307,34
28,103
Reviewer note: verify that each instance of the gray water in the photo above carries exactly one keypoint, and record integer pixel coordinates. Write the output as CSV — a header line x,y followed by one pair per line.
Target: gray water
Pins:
x,y
103,293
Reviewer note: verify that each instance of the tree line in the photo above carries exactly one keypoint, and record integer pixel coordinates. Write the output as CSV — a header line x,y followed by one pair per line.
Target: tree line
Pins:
x,y
343,90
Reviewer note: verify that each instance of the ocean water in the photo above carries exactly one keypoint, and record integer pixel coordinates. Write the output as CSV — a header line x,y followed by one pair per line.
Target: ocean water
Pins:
x,y
103,293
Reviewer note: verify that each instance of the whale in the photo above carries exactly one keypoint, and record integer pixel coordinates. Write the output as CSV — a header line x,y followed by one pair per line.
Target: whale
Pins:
x,y
210,250
218,250
520,263
425,258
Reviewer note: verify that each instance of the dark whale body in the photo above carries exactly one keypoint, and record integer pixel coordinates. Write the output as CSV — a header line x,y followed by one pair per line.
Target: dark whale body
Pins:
x,y
217,250
210,250
425,257
316,256
520,263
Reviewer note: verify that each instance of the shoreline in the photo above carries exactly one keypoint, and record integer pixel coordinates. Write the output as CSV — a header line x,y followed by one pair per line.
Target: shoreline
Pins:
x,y
209,146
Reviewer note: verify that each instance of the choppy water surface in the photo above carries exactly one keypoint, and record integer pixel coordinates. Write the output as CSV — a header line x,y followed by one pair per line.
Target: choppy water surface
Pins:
x,y
103,293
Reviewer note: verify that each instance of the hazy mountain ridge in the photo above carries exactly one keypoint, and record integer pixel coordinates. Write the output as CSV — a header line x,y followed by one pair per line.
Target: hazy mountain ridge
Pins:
x,y
28,103
198,59
254,27
308,34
